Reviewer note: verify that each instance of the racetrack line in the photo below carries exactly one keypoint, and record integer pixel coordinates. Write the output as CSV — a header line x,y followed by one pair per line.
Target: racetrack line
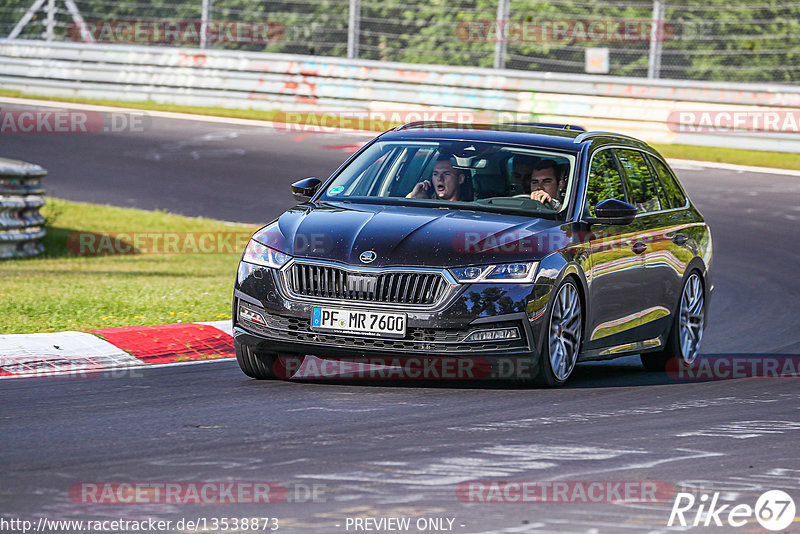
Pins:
x,y
389,450
230,172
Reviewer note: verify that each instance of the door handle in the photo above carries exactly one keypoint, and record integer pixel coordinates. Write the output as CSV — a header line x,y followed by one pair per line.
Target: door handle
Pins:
x,y
679,239
639,247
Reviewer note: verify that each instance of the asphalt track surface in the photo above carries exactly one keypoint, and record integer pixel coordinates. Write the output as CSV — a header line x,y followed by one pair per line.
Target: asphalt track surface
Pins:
x,y
378,449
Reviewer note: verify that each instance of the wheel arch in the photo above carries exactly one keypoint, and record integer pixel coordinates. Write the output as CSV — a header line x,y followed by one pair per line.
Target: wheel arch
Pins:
x,y
566,269
696,265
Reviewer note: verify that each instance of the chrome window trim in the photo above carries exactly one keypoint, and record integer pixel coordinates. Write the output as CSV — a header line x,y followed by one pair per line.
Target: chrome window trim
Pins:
x,y
579,212
447,294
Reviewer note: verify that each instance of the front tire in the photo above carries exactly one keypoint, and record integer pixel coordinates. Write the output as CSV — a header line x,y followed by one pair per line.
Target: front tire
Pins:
x,y
683,343
564,335
262,366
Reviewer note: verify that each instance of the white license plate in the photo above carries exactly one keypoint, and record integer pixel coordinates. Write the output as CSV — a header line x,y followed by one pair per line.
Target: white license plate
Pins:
x,y
359,322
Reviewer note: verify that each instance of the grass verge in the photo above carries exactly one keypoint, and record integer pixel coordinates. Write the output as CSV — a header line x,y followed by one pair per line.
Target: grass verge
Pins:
x,y
64,290
758,158
779,160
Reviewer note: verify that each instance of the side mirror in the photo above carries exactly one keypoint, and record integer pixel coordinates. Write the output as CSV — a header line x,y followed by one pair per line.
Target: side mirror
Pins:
x,y
303,190
612,211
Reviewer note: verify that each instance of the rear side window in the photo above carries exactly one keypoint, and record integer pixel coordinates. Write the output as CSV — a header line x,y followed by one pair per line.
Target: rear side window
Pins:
x,y
671,188
638,180
604,181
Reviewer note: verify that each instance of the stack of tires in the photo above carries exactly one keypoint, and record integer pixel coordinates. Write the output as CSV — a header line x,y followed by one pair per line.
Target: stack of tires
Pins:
x,y
21,196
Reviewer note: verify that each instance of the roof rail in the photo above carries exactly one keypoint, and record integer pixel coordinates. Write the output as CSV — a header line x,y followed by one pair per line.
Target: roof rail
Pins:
x,y
586,135
571,127
412,124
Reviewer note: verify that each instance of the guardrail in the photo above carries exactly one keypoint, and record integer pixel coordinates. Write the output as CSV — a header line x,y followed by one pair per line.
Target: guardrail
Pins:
x,y
21,196
222,78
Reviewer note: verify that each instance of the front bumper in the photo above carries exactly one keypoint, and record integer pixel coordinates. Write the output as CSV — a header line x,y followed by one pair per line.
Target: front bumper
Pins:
x,y
351,363
284,334
438,332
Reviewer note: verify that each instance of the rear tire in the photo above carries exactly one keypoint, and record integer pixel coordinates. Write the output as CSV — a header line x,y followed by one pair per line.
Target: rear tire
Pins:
x,y
263,366
683,343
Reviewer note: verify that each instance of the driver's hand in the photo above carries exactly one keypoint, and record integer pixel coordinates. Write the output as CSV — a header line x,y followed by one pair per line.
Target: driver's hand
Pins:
x,y
542,196
421,190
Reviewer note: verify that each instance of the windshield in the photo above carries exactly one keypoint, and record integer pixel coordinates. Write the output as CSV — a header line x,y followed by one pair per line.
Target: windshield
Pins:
x,y
460,175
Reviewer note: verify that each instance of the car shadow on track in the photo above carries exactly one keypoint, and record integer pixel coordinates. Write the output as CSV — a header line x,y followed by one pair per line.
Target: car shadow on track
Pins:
x,y
622,372
706,368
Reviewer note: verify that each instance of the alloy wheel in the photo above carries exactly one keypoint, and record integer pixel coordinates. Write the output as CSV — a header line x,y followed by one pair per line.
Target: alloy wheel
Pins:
x,y
692,319
565,331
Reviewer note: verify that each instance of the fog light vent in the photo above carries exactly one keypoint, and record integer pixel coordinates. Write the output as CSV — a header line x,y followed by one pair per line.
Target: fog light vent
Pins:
x,y
252,316
496,334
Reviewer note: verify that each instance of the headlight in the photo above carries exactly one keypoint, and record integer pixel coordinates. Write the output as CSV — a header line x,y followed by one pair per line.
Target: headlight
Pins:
x,y
260,254
469,274
507,272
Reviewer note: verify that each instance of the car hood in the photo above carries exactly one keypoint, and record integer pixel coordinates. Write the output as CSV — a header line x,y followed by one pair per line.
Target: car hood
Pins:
x,y
411,236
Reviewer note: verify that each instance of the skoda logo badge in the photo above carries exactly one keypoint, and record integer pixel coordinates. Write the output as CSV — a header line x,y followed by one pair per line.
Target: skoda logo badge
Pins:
x,y
368,256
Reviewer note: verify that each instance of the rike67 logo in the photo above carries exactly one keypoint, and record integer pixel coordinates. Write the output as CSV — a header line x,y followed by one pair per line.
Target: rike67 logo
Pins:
x,y
774,510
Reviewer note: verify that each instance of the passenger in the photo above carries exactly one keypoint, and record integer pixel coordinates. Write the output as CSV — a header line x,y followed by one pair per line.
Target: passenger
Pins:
x,y
445,181
546,186
521,170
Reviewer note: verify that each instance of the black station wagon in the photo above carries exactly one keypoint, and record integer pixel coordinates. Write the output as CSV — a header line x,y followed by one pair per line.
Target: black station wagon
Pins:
x,y
528,247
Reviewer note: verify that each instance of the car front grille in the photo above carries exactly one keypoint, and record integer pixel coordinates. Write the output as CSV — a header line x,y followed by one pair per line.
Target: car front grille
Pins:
x,y
327,281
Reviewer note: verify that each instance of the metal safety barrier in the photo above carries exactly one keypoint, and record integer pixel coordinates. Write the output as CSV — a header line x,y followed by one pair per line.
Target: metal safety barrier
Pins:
x,y
21,196
253,80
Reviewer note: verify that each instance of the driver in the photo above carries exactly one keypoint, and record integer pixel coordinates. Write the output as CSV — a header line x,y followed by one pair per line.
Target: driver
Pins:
x,y
445,181
546,186
521,170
